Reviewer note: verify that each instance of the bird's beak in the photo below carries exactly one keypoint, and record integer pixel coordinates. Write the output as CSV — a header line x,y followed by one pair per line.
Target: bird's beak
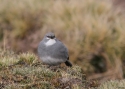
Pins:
x,y
52,37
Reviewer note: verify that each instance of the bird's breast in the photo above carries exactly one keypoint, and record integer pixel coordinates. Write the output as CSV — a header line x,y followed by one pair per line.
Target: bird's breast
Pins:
x,y
50,42
51,61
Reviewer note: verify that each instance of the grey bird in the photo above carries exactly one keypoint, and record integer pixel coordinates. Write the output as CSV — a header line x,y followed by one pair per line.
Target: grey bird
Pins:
x,y
52,51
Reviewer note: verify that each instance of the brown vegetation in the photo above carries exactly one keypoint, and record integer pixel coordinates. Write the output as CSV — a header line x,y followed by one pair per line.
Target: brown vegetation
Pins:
x,y
24,71
91,29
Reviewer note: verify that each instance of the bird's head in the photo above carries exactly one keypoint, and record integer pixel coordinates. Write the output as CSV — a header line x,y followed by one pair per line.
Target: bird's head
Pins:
x,y
50,35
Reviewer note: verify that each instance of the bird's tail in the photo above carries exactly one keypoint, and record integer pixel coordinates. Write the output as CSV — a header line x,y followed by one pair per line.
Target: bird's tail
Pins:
x,y
68,63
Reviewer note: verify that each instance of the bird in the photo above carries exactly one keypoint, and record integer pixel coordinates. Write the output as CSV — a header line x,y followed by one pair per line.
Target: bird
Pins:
x,y
52,51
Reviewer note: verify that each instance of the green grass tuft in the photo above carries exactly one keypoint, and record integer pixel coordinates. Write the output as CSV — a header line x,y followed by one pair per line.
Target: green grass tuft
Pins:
x,y
113,84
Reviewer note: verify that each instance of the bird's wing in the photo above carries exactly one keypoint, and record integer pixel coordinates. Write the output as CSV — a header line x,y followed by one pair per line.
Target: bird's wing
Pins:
x,y
41,49
63,50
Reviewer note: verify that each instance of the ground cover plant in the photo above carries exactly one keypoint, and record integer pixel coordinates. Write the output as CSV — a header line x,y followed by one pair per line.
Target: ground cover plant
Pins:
x,y
24,71
92,30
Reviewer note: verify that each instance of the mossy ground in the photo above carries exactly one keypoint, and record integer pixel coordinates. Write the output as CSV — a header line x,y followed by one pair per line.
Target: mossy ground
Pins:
x,y
25,71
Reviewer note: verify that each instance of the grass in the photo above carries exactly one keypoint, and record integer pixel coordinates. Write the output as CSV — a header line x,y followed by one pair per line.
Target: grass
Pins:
x,y
24,71
93,31
116,84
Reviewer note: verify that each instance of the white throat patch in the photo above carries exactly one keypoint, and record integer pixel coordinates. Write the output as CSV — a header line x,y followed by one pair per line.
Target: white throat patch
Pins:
x,y
50,42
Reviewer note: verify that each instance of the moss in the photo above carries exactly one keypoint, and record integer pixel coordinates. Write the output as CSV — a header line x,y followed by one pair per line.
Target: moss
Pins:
x,y
27,72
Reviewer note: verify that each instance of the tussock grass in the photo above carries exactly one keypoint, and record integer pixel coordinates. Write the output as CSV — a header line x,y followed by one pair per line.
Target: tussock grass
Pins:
x,y
20,16
28,58
7,58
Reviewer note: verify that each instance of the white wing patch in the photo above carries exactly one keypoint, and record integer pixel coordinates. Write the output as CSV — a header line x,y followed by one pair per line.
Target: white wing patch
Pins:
x,y
50,42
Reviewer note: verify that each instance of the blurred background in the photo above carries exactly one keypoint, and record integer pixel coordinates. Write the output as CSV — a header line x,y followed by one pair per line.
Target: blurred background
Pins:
x,y
92,30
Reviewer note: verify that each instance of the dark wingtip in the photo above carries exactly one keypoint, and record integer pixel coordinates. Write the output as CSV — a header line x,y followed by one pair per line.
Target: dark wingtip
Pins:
x,y
68,63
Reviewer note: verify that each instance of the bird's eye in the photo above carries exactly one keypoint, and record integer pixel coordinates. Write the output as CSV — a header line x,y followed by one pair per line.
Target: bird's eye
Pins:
x,y
49,36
